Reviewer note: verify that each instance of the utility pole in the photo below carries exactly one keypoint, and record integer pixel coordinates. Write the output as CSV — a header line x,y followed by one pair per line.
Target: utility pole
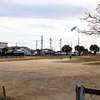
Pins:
x,y
78,45
36,44
71,45
51,43
16,47
41,44
60,44
16,44
78,41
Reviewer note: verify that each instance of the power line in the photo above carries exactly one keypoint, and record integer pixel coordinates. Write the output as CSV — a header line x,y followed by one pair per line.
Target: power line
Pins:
x,y
55,40
29,33
19,31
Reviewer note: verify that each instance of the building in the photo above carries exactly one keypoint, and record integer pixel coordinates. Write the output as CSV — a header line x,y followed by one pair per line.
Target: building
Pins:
x,y
27,51
9,49
47,52
15,49
3,45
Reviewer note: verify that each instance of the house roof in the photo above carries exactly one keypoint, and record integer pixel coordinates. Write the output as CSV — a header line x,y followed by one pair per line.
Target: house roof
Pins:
x,y
4,42
31,50
9,48
17,47
50,52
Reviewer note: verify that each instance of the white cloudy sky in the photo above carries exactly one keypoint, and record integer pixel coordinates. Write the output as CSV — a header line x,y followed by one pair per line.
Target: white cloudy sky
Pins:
x,y
25,21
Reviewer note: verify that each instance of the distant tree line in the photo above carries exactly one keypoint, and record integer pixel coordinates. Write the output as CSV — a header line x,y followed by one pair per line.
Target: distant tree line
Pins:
x,y
80,49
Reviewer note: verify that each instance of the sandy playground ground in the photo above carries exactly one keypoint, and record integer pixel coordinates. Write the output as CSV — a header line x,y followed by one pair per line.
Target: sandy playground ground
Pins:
x,y
47,79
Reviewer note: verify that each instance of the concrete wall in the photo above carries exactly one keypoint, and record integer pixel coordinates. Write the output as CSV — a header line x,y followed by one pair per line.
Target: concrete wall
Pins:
x,y
11,55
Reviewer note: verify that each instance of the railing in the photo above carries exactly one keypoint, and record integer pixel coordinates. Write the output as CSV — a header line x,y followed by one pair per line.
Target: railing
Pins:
x,y
82,90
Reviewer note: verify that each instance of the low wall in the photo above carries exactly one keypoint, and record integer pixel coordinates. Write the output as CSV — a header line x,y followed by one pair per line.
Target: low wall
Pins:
x,y
11,55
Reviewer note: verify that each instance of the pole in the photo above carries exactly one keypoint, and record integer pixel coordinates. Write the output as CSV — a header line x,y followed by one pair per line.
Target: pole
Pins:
x,y
50,43
16,47
78,41
41,44
16,44
60,44
78,45
71,44
36,44
4,92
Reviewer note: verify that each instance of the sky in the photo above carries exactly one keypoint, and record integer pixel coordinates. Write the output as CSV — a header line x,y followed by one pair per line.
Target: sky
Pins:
x,y
23,22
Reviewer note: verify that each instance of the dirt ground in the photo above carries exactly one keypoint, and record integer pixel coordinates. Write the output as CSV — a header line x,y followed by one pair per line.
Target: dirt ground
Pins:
x,y
47,79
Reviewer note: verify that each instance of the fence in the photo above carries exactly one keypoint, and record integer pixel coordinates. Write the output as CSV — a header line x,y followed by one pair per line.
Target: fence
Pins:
x,y
82,90
11,55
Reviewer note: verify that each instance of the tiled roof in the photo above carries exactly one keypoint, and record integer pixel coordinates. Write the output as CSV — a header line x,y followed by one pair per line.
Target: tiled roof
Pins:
x,y
16,47
31,50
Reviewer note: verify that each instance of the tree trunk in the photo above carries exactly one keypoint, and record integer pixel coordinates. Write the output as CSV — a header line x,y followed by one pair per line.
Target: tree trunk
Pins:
x,y
94,53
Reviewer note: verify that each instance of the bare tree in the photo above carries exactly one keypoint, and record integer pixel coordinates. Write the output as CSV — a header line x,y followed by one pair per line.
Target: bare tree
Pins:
x,y
93,23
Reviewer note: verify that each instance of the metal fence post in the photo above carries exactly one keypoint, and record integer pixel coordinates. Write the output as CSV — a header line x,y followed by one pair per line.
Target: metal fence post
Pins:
x,y
83,92
4,92
80,92
76,92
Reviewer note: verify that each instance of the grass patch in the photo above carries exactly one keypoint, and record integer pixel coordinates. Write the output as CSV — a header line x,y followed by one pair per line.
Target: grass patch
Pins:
x,y
96,63
33,58
7,98
79,58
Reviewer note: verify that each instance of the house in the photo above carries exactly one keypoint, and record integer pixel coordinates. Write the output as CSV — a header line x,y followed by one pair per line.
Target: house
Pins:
x,y
47,52
43,51
60,53
9,49
3,45
27,51
15,49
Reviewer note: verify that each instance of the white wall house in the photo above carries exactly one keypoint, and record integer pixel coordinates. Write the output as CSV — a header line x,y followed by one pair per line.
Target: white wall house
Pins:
x,y
26,51
3,45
